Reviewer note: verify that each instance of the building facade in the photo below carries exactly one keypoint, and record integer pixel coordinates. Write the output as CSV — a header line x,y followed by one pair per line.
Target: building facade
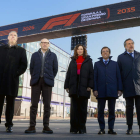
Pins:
x,y
23,101
22,104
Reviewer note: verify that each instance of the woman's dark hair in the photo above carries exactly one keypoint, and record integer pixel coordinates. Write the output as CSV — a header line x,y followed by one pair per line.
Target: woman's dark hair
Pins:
x,y
75,51
106,48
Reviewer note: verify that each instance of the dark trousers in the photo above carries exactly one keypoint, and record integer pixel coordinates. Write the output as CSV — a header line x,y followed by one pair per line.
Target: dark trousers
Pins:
x,y
35,96
10,102
130,109
78,114
111,109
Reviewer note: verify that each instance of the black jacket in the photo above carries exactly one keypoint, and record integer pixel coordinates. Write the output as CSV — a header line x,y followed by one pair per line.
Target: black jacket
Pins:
x,y
130,73
50,68
85,78
13,63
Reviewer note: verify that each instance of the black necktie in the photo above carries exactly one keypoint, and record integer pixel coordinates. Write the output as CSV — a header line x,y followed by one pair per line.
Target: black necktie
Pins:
x,y
131,54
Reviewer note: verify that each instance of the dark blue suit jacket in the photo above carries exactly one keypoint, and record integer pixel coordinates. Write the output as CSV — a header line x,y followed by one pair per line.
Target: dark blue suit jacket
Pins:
x,y
130,73
107,79
50,68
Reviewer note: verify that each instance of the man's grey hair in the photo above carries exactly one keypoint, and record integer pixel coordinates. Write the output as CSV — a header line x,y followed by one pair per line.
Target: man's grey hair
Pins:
x,y
127,40
13,32
45,38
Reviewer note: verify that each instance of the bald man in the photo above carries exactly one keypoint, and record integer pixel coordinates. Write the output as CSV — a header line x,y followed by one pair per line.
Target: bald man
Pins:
x,y
43,69
13,63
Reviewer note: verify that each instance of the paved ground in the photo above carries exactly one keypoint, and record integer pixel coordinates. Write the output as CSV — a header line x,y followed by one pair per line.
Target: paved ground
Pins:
x,y
61,131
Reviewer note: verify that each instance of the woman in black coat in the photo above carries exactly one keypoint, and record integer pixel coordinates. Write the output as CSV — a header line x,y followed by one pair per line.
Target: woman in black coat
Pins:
x,y
78,83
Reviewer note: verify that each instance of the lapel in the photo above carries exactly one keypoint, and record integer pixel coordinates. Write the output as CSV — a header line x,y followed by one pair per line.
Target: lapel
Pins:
x,y
6,47
136,55
39,53
39,56
86,59
128,56
101,60
49,53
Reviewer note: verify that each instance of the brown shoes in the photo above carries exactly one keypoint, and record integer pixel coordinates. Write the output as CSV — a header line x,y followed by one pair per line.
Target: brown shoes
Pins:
x,y
47,130
31,129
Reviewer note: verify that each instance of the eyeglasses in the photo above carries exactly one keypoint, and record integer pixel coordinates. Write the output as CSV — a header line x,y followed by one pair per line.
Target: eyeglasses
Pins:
x,y
45,42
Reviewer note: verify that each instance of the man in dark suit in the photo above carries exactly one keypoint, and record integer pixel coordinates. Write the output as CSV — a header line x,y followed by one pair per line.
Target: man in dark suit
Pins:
x,y
13,63
43,69
129,64
107,86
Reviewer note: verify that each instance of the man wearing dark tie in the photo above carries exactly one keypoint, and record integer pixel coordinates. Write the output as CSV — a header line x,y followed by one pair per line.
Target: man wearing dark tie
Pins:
x,y
107,86
129,64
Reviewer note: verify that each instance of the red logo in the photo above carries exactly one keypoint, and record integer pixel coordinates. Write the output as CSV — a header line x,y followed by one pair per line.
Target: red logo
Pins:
x,y
6,32
28,28
108,10
67,20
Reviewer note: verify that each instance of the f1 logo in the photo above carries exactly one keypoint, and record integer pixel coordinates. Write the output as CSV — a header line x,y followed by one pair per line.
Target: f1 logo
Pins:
x,y
6,32
67,20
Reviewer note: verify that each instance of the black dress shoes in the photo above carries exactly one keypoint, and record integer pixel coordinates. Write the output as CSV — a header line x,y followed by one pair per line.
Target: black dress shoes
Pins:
x,y
102,131
74,132
9,129
81,132
111,131
129,132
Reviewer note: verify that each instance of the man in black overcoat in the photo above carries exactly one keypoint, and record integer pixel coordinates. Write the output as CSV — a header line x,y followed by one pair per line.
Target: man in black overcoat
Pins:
x,y
129,64
13,63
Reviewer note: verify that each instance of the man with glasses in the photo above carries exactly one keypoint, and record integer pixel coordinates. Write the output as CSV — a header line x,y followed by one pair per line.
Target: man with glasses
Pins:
x,y
43,69
107,86
129,64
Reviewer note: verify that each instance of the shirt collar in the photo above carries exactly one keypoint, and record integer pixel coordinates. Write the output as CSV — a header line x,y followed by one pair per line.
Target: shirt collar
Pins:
x,y
42,51
101,58
129,52
14,46
105,60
